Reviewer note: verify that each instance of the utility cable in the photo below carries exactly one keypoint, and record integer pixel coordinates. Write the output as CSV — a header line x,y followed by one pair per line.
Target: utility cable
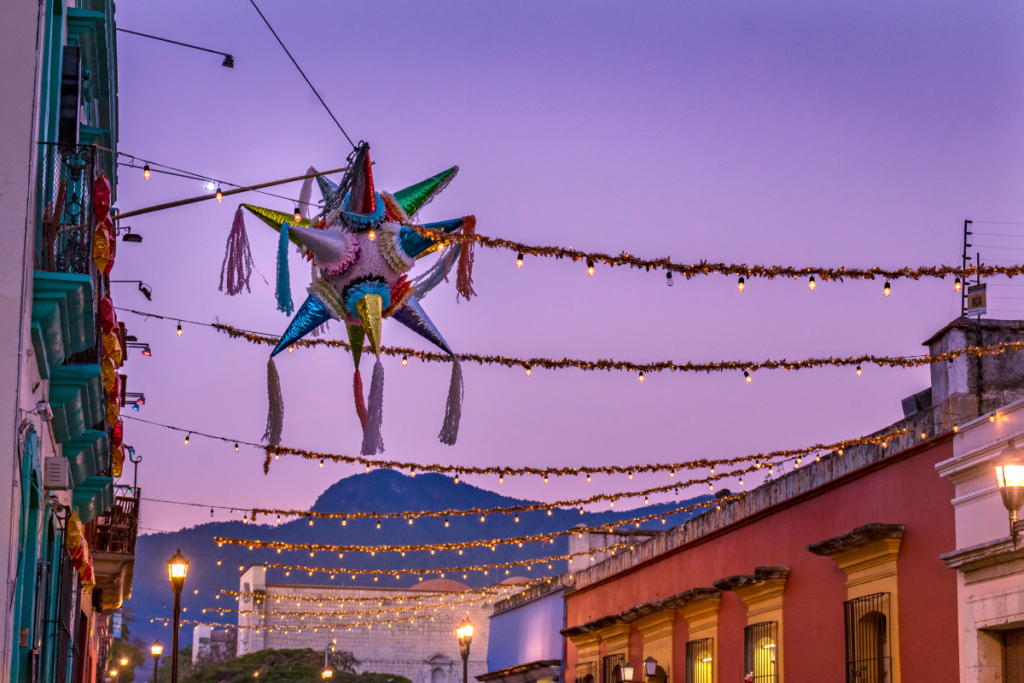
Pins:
x,y
303,73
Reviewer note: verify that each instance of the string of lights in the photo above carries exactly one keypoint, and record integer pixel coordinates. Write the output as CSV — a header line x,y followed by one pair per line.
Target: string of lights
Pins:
x,y
548,472
530,364
503,471
379,610
486,592
295,629
313,548
705,268
576,503
485,568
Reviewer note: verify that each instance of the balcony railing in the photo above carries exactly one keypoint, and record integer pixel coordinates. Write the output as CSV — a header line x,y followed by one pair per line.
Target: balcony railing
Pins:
x,y
116,531
64,220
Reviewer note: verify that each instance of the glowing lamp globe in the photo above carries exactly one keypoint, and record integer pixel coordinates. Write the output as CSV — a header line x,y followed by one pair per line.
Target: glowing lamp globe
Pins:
x,y
1010,477
465,632
177,569
156,649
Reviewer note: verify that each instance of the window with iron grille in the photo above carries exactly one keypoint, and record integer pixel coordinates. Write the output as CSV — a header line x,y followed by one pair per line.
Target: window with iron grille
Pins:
x,y
613,668
585,672
699,660
867,639
1013,656
760,652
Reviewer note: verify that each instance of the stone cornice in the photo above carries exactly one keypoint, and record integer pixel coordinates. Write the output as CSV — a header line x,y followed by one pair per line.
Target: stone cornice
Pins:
x,y
646,609
760,575
983,555
519,671
858,538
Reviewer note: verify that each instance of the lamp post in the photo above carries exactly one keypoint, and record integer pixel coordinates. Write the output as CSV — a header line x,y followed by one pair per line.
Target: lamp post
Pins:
x,y
327,673
627,672
156,650
1010,477
177,569
465,634
650,667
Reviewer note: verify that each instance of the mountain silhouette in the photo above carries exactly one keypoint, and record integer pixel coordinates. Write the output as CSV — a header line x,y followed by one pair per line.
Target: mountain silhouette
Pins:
x,y
379,491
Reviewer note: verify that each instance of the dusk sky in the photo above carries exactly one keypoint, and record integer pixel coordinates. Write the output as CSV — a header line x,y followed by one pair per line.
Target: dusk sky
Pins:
x,y
792,133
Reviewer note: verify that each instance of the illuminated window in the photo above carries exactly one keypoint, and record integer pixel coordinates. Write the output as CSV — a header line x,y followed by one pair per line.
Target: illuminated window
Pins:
x,y
867,639
760,652
699,661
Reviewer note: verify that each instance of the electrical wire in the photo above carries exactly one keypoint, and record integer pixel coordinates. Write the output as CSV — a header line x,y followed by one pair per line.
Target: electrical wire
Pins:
x,y
303,73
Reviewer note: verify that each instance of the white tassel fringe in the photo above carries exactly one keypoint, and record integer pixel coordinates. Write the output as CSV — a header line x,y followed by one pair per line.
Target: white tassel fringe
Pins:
x,y
453,409
373,442
275,411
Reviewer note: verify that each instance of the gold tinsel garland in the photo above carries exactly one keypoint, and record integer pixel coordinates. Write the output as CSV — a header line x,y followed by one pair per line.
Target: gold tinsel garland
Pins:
x,y
379,610
444,570
501,471
630,366
486,592
705,268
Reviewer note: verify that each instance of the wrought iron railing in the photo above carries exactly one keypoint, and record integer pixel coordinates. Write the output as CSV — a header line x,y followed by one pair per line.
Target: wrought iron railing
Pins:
x,y
64,220
117,530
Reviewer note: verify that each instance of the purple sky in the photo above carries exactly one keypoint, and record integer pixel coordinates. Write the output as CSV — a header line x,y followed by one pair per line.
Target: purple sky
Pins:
x,y
799,133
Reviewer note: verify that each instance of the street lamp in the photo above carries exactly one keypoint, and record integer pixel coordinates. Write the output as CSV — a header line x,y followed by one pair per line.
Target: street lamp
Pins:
x,y
327,673
465,634
650,667
627,672
124,661
1010,477
156,649
177,569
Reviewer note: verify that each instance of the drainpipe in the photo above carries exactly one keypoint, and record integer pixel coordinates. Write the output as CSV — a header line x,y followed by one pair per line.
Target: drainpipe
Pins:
x,y
565,615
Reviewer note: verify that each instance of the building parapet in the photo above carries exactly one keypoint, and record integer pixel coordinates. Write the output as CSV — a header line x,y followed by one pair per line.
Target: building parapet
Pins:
x,y
907,433
557,582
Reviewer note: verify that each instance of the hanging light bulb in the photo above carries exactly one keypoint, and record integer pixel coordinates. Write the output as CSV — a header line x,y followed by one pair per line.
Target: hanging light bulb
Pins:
x,y
746,376
321,464
187,437
291,349
545,478
527,369
956,284
220,195
519,260
590,267
372,235
741,285
588,477
298,214
236,448
517,518
641,377
179,328
858,371
812,284
405,361
145,172
445,522
456,477
887,289
378,523
501,477
668,278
